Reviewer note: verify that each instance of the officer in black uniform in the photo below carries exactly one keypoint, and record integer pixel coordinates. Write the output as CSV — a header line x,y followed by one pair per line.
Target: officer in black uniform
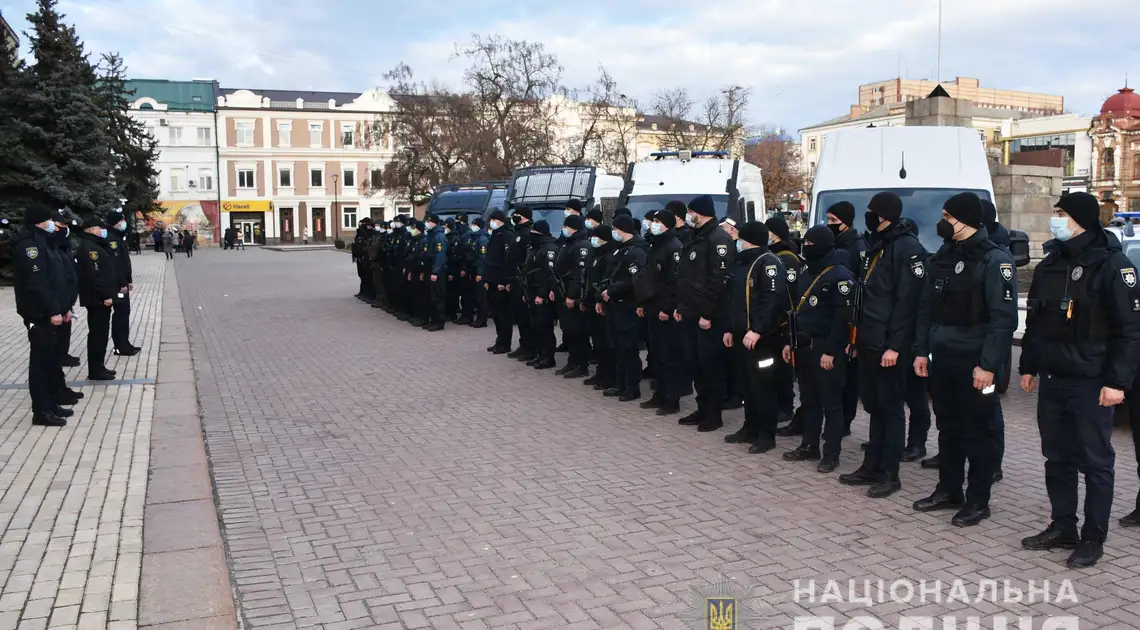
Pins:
x,y
41,292
359,245
570,267
705,263
375,253
627,275
393,267
121,315
753,330
594,218
463,280
98,292
475,307
542,283
456,233
680,229
825,293
841,220
1082,338
966,320
497,275
665,256
601,258
516,261
411,272
781,244
437,273
61,238
733,398
892,284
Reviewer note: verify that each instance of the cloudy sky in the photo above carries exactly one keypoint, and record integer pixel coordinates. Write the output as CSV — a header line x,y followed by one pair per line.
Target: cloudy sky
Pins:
x,y
803,59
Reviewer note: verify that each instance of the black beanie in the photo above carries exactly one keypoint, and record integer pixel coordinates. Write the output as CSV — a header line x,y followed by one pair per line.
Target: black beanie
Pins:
x,y
753,232
965,207
574,204
596,216
524,212
541,227
703,205
777,226
603,232
887,205
477,222
820,235
114,217
623,212
498,215
90,221
574,222
461,217
844,211
1083,207
625,223
678,208
989,214
35,214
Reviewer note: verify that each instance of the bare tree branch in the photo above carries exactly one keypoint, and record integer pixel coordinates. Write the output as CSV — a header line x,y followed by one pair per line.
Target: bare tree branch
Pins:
x,y
780,165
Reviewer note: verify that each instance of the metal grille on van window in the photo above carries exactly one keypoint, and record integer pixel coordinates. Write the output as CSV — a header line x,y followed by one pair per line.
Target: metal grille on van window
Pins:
x,y
609,205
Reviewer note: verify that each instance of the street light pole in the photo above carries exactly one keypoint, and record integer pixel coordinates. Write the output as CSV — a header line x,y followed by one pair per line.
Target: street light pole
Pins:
x,y
336,210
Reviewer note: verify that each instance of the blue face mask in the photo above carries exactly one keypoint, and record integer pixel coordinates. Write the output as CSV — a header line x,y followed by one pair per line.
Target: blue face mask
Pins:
x,y
645,225
595,242
474,230
739,245
656,228
51,227
103,233
1059,228
121,225
616,235
590,223
567,232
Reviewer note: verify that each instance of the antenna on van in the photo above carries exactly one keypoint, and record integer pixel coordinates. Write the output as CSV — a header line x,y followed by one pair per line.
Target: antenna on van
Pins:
x,y
902,171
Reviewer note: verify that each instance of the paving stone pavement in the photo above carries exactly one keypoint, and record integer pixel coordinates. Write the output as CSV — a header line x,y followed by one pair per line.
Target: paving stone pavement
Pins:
x,y
373,475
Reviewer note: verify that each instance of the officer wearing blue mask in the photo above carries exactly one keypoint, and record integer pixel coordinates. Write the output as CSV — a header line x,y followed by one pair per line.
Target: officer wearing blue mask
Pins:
x,y
98,291
602,247
666,352
1081,341
623,297
121,315
570,267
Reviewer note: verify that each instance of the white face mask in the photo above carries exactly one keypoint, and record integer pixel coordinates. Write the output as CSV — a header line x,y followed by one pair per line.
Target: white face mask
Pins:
x,y
590,223
691,220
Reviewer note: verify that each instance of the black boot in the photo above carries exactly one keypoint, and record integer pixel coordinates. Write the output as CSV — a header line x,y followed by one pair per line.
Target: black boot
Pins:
x,y
743,436
47,419
914,453
692,419
544,363
613,392
884,487
70,361
1132,519
795,427
711,422
62,412
563,370
763,444
654,402
828,464
939,501
860,477
630,396
1085,555
669,408
930,464
577,371
803,453
970,515
1052,538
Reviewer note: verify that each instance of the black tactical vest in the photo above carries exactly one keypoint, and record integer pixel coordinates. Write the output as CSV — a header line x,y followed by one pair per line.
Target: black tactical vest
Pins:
x,y
1067,304
959,287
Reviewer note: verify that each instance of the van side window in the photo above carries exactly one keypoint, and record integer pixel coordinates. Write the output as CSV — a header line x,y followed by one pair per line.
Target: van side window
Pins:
x,y
751,216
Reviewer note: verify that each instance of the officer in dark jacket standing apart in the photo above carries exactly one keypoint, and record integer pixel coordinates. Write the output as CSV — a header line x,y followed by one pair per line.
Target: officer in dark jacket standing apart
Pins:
x,y
542,291
496,280
602,248
1082,338
570,267
437,273
841,220
967,316
42,292
670,367
892,284
98,290
62,239
705,263
121,315
475,307
781,244
824,294
621,299
516,262
359,244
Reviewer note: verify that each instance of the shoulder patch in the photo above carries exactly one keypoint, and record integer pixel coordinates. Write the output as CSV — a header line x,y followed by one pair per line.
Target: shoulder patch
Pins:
x,y
814,301
94,255
917,269
1128,275
1006,271
692,255
1077,273
632,269
483,249
676,256
844,286
791,275
770,271
722,250
518,238
439,247
550,255
32,252
583,252
114,245
959,268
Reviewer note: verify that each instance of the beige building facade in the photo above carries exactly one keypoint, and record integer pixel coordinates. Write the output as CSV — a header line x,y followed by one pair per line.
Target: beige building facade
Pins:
x,y
895,91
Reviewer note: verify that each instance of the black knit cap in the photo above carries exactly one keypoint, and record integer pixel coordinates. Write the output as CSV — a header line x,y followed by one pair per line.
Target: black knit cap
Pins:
x,y
820,235
419,225
449,222
91,221
1083,207
524,212
625,223
965,207
777,226
433,217
477,222
114,217
461,217
703,205
574,204
989,214
887,205
603,232
678,208
541,227
498,215
34,215
753,232
596,215
844,211
623,212
574,222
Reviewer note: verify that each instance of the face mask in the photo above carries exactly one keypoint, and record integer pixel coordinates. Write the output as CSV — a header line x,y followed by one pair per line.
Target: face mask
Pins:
x,y
656,228
121,225
429,226
103,233
690,220
568,212
835,228
645,225
771,242
517,219
814,252
739,246
566,232
50,228
590,223
595,242
1059,228
872,220
945,230
474,230
616,235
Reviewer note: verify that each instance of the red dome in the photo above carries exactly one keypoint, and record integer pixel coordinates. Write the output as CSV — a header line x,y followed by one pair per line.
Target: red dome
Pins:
x,y
1126,102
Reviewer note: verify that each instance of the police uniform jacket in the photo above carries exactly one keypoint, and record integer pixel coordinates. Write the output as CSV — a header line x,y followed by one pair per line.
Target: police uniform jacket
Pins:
x,y
540,277
495,265
599,268
757,297
397,249
67,263
968,307
1000,237
97,279
413,263
852,244
824,294
117,248
358,244
437,251
705,262
517,251
893,275
475,252
40,284
792,261
666,258
1083,317
570,264
457,248
629,264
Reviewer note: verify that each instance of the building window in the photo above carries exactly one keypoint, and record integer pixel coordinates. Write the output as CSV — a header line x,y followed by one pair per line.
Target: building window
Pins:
x,y
315,132
1108,164
811,169
349,179
376,178
349,218
346,134
245,178
403,209
285,178
205,136
175,136
317,178
1136,167
284,133
1134,204
811,144
205,180
377,214
244,134
177,179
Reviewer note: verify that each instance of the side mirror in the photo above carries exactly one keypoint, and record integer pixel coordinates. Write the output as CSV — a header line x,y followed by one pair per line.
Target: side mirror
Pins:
x,y
1019,247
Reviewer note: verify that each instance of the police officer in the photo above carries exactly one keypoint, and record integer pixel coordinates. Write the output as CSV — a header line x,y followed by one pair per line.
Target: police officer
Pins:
x,y
665,254
359,245
627,276
570,267
414,265
42,293
892,284
841,220
121,315
781,244
680,229
61,238
602,255
516,261
541,290
825,292
705,263
1082,338
757,301
475,307
376,253
496,280
594,218
97,293
436,270
732,385
393,267
964,332
461,286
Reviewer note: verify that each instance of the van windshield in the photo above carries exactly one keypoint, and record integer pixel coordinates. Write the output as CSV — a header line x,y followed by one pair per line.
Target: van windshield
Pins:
x,y
640,205
921,205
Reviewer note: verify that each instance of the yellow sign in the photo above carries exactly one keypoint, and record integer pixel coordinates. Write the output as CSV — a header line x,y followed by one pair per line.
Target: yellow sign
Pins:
x,y
245,206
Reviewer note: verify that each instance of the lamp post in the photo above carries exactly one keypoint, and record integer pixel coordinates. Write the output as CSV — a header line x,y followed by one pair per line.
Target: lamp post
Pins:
x,y
412,151
336,210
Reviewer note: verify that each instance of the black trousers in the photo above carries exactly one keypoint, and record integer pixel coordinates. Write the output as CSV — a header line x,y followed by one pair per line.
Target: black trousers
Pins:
x,y
43,364
98,329
437,291
503,311
756,370
189,252
479,309
850,392
785,388
603,352
669,370
454,293
379,282
169,252
542,318
1076,437
705,351
575,333
966,431
884,391
62,345
918,402
121,322
623,325
521,312
822,408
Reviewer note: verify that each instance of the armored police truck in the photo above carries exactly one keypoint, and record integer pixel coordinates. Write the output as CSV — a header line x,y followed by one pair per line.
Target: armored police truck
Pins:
x,y
475,199
736,186
547,189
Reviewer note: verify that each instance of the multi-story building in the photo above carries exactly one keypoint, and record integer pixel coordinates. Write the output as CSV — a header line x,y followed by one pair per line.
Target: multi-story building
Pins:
x,y
898,90
304,164
8,38
1062,141
181,117
1116,152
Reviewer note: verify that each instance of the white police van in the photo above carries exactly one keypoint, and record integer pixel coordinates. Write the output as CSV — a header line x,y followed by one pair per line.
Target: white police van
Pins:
x,y
736,187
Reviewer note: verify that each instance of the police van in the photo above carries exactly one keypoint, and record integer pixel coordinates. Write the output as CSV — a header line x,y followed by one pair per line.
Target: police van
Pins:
x,y
735,186
547,189
474,200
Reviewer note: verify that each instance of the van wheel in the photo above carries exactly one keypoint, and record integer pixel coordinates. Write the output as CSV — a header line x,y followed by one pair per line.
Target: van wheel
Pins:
x,y
1003,380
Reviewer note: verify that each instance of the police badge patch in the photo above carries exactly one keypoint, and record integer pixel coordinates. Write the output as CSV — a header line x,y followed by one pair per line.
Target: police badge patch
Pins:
x,y
93,255
722,250
1128,275
676,256
813,301
844,287
114,245
483,250
791,275
692,255
439,247
1077,273
917,270
959,267
1006,271
770,270
583,252
518,238
633,269
32,252
550,255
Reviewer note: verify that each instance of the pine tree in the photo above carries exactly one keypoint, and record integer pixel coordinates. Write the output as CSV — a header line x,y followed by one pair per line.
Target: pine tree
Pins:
x,y
134,152
22,146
